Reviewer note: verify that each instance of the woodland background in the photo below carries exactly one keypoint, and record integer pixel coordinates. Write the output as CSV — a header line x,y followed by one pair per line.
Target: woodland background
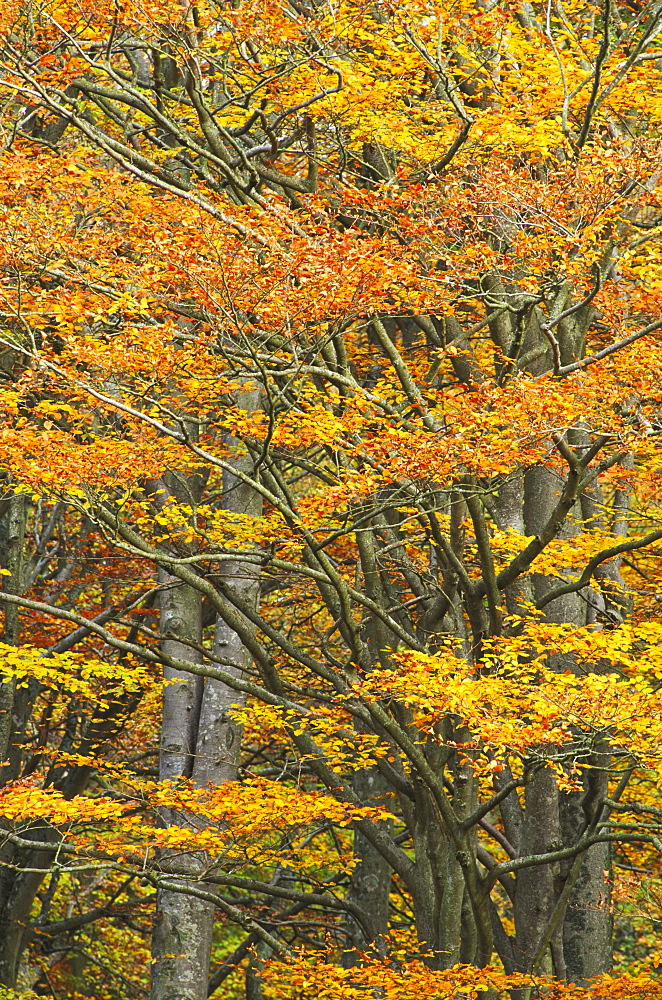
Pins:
x,y
331,507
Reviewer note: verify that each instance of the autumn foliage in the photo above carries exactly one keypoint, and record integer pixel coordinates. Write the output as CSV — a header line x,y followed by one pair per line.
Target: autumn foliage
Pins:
x,y
331,509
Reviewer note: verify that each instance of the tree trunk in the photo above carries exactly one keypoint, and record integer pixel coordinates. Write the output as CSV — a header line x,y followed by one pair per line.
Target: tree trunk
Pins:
x,y
200,741
371,879
12,559
581,945
181,938
588,923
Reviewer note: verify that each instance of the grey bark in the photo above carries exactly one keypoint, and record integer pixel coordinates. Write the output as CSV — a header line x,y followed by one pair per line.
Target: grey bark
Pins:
x,y
202,741
181,622
581,945
181,936
13,532
371,878
588,922
535,893
219,736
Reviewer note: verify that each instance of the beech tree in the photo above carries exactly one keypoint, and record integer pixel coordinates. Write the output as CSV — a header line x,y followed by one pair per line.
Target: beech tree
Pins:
x,y
331,366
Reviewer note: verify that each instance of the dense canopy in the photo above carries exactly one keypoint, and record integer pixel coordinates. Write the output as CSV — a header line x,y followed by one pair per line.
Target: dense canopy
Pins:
x,y
331,359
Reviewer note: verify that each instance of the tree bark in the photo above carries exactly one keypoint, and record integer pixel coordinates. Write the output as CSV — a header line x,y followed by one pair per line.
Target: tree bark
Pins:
x,y
181,937
201,741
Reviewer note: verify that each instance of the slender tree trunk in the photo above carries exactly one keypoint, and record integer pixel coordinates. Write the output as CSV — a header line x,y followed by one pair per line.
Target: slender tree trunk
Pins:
x,y
581,945
12,560
181,938
535,894
588,923
13,901
371,879
219,736
200,741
